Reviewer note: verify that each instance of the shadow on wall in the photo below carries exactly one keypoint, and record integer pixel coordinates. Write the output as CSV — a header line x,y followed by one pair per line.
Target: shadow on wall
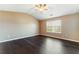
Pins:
x,y
70,27
17,25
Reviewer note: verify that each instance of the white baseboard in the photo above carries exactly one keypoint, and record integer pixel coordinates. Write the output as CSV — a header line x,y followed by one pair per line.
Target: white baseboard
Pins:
x,y
63,38
18,38
38,34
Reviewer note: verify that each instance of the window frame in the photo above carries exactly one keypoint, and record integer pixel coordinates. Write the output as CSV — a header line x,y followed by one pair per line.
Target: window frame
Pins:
x,y
60,26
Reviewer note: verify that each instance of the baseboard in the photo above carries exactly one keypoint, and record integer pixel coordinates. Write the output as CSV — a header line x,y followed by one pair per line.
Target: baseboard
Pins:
x,y
61,38
73,42
18,38
76,43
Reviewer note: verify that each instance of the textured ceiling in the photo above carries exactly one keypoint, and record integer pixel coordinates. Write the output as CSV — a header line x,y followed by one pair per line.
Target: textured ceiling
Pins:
x,y
54,10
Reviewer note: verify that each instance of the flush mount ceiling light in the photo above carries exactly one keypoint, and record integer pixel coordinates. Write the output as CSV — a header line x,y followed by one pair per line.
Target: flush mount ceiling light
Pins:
x,y
41,7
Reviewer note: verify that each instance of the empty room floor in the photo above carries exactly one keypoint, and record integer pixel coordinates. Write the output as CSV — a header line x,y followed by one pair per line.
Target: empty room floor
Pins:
x,y
38,45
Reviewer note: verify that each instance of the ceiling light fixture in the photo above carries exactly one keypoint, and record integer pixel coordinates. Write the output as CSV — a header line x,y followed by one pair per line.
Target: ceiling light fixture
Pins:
x,y
41,7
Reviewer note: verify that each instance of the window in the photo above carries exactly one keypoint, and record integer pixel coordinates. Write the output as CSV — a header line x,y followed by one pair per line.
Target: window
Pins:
x,y
53,26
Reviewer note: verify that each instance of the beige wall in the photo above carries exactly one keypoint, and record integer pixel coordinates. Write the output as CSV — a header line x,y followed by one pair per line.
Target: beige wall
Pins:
x,y
17,25
70,27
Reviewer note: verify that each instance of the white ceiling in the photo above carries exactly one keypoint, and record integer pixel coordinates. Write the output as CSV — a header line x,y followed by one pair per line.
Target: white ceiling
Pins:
x,y
54,10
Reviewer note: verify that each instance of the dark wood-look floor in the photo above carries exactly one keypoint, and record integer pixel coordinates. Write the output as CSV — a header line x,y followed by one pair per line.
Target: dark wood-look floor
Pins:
x,y
38,45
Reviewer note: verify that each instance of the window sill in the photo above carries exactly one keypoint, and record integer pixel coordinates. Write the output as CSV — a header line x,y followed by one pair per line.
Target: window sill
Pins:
x,y
54,32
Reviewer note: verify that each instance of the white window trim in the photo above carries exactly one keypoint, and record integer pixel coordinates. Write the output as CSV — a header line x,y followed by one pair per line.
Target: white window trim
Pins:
x,y
54,32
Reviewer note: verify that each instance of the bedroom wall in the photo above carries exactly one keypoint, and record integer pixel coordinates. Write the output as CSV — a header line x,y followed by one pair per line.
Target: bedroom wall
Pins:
x,y
70,27
14,25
